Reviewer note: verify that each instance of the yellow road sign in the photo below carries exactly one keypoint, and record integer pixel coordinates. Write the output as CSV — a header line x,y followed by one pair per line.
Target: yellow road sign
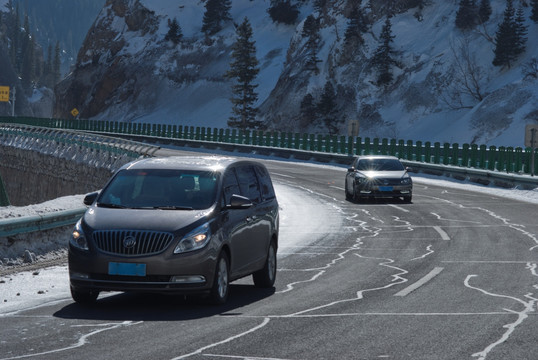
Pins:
x,y
4,93
74,112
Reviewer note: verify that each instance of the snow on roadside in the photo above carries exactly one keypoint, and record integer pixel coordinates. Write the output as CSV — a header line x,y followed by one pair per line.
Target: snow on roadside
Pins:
x,y
61,203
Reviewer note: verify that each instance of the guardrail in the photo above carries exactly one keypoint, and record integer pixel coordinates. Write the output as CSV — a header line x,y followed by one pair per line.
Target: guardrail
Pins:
x,y
13,226
508,159
25,224
54,139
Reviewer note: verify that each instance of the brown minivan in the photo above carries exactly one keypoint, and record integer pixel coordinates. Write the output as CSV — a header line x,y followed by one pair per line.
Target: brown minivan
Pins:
x,y
186,225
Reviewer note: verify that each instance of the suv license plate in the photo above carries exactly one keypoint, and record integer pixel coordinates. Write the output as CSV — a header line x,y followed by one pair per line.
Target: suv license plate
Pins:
x,y
385,188
130,269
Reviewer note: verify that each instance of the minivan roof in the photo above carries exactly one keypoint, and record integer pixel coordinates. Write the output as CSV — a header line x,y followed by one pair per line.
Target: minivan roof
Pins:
x,y
212,163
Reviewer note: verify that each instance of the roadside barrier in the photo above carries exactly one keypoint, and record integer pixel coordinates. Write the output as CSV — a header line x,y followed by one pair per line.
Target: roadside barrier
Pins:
x,y
449,162
505,159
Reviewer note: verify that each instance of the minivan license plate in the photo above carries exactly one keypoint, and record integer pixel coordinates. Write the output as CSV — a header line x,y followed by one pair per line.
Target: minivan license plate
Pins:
x,y
131,269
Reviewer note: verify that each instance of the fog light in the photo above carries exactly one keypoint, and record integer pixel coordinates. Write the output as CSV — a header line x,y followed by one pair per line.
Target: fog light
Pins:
x,y
77,275
188,279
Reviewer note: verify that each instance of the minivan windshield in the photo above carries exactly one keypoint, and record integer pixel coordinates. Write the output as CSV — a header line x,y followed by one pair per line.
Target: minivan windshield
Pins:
x,y
166,189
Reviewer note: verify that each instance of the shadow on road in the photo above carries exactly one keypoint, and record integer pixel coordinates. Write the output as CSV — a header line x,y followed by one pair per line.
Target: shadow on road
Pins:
x,y
159,307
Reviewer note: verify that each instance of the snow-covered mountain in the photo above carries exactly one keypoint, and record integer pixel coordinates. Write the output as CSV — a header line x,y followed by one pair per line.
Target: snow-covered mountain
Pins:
x,y
126,71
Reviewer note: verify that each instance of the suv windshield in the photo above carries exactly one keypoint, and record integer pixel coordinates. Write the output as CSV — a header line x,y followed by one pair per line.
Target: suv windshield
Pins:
x,y
160,189
380,165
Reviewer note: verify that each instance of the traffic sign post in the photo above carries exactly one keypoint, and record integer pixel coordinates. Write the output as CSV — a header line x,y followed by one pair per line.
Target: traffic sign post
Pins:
x,y
531,140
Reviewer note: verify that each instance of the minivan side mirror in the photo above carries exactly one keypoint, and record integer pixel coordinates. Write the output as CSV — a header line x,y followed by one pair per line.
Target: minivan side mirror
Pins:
x,y
350,169
90,198
239,202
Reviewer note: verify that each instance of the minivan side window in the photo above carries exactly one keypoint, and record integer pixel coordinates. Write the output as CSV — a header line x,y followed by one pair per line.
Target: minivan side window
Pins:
x,y
267,190
248,183
230,186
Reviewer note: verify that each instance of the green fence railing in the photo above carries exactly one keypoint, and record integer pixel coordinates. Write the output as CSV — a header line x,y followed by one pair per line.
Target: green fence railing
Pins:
x,y
506,159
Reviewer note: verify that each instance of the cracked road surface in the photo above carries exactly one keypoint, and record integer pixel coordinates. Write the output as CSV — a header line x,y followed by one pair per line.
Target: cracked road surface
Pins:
x,y
453,275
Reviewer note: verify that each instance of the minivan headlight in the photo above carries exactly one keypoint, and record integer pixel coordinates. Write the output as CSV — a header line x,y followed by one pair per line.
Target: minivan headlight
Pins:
x,y
78,239
196,239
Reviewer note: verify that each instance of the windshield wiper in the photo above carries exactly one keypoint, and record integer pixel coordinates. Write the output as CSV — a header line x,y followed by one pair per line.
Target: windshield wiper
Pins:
x,y
112,206
173,207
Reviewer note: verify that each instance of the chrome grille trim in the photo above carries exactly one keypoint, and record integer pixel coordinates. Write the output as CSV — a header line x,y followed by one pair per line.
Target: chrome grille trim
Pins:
x,y
146,242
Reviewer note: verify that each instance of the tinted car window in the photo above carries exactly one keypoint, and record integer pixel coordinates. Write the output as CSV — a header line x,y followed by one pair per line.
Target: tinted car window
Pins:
x,y
230,186
248,183
156,188
267,190
380,165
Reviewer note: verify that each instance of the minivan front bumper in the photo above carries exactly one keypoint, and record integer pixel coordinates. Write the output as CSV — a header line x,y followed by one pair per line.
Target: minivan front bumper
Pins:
x,y
165,273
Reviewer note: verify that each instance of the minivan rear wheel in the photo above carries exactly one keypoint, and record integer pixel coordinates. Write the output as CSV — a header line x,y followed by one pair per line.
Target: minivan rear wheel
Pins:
x,y
221,282
265,278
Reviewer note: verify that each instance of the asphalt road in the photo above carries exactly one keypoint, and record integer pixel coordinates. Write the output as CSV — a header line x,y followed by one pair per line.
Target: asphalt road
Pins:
x,y
453,275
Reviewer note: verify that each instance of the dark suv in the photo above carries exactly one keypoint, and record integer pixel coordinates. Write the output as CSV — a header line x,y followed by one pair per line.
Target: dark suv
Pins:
x,y
378,176
185,225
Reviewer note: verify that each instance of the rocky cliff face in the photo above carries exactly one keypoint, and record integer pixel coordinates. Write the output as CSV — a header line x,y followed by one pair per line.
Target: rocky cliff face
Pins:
x,y
106,73
127,71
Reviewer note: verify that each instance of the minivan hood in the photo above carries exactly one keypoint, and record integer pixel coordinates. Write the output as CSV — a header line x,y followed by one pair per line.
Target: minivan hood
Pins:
x,y
142,219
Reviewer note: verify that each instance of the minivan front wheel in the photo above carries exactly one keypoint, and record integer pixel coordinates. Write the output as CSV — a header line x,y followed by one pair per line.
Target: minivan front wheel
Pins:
x,y
265,278
221,282
84,296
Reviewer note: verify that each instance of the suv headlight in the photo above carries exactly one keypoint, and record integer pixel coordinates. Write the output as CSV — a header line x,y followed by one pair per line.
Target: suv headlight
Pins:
x,y
406,180
78,239
196,239
359,178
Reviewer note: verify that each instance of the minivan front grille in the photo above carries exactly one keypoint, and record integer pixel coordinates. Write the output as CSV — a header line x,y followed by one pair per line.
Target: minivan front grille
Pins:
x,y
131,243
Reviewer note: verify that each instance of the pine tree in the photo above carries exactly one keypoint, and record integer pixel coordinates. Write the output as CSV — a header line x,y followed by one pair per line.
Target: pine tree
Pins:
x,y
484,11
14,36
216,12
466,15
283,11
382,59
355,27
521,32
509,38
319,5
26,66
308,111
327,108
534,14
311,32
174,33
56,65
224,9
244,69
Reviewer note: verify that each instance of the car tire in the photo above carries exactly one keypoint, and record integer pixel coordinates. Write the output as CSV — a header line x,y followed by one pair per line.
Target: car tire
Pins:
x,y
348,195
408,198
221,282
84,296
356,197
265,278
